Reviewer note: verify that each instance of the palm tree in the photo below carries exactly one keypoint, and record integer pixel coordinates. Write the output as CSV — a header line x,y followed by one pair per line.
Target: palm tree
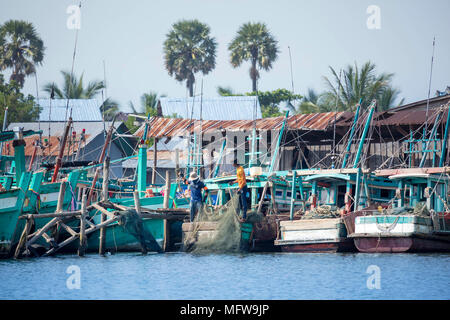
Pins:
x,y
311,103
21,49
189,49
254,43
109,108
73,88
354,84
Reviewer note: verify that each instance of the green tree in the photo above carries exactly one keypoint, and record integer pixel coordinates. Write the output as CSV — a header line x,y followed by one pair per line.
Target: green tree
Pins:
x,y
73,87
363,83
109,108
314,102
21,49
20,108
189,49
269,100
256,44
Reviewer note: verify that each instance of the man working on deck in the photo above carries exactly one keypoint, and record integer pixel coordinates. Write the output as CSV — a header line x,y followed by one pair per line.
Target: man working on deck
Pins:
x,y
196,186
242,190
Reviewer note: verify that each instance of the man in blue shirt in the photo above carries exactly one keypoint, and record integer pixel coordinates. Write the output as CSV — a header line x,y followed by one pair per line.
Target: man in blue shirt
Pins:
x,y
196,186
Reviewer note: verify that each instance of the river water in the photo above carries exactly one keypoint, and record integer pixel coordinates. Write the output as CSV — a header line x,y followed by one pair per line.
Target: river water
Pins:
x,y
249,276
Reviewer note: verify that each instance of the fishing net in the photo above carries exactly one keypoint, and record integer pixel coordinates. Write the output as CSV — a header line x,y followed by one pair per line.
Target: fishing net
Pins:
x,y
226,238
322,212
132,223
420,209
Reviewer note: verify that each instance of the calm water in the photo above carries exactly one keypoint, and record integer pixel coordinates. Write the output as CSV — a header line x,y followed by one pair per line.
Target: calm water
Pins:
x,y
255,276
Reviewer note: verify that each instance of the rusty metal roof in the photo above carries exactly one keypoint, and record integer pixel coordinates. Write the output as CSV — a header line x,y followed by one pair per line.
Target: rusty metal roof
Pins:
x,y
170,127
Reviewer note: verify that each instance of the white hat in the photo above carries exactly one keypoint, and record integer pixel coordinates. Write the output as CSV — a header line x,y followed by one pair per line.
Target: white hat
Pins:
x,y
193,176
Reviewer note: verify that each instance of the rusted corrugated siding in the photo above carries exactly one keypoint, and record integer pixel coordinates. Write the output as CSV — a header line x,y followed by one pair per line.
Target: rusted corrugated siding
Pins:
x,y
169,127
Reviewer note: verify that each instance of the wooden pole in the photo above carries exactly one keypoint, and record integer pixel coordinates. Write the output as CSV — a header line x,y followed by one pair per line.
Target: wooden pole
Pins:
x,y
62,191
101,246
137,205
155,159
137,202
262,197
23,238
167,191
83,242
105,179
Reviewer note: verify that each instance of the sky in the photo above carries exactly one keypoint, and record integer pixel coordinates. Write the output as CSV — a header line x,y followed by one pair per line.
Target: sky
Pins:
x,y
122,41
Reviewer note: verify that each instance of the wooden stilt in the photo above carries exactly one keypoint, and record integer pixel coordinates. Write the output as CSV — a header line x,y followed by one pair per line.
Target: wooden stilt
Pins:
x,y
167,191
137,205
23,238
83,240
101,246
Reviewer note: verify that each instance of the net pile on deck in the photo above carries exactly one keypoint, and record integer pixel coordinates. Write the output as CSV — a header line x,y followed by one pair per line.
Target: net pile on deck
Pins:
x,y
420,209
322,212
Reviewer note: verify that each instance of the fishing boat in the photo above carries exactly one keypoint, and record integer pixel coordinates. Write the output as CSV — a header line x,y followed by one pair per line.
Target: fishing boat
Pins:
x,y
419,220
320,226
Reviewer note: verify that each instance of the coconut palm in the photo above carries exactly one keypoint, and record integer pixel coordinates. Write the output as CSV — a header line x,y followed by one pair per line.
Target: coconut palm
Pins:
x,y
73,88
354,84
253,42
312,102
21,49
189,49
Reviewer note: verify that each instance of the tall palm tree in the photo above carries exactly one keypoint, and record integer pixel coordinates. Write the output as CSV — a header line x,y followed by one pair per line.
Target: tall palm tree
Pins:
x,y
73,88
356,83
21,49
189,49
253,42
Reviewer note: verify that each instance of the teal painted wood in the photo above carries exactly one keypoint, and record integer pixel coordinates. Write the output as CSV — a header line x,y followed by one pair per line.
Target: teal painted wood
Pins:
x,y
444,139
350,138
364,134
274,157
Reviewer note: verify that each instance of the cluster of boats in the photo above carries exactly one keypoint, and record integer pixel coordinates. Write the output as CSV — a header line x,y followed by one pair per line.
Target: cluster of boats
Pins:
x,y
302,210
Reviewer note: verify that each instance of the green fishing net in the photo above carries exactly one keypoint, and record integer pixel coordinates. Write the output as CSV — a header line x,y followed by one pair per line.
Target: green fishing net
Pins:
x,y
226,238
132,223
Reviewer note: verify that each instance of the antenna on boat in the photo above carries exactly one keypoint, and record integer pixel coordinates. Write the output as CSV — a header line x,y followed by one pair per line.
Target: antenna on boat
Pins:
x,y
333,156
429,88
103,99
292,77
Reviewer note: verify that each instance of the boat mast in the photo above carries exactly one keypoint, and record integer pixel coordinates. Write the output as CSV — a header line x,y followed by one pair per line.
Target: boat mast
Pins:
x,y
275,154
61,150
352,132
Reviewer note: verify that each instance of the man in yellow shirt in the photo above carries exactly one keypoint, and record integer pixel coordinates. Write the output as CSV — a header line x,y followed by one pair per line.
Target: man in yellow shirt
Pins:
x,y
242,190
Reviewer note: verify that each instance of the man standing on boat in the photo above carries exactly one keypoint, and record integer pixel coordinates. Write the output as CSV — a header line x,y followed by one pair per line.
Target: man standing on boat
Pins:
x,y
196,186
242,190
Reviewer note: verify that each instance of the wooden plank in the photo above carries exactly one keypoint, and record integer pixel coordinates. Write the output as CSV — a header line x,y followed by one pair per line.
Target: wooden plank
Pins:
x,y
103,210
67,228
83,239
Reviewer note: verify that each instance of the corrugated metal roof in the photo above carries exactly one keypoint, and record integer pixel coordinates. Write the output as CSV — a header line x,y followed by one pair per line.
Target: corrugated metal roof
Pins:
x,y
57,128
220,108
171,127
82,109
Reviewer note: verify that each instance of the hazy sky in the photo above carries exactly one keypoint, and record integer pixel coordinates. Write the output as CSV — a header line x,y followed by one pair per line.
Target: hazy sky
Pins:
x,y
129,35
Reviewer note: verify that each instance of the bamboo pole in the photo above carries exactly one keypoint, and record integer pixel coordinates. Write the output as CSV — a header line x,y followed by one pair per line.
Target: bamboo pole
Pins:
x,y
23,237
167,191
137,205
83,242
62,191
155,158
262,197
101,246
